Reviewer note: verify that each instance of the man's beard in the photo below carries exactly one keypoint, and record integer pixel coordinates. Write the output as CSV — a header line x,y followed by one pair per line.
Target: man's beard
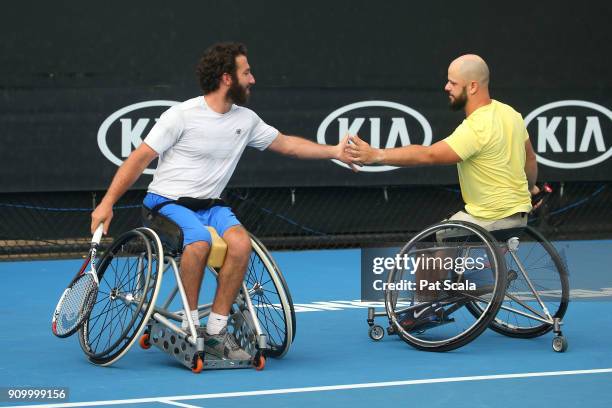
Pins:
x,y
238,93
459,102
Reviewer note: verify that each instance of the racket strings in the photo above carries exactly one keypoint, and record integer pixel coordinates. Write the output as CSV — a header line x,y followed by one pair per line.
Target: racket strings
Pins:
x,y
77,304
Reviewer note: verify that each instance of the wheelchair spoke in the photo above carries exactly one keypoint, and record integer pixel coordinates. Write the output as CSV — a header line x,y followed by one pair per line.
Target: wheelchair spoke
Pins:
x,y
126,273
112,323
125,311
266,314
516,312
97,317
271,292
268,305
261,311
98,302
116,321
104,326
106,314
271,305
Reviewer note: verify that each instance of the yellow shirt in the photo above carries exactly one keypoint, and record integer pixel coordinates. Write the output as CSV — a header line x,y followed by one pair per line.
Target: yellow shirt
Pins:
x,y
491,144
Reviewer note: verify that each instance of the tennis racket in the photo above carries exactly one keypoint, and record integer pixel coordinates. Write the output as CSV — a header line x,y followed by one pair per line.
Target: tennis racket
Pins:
x,y
79,297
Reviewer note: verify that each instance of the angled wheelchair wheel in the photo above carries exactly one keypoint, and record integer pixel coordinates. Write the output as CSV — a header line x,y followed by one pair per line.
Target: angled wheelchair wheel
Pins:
x,y
130,276
442,269
271,298
522,313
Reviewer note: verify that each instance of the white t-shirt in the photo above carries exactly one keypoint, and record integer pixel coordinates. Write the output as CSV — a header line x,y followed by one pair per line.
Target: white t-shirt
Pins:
x,y
199,148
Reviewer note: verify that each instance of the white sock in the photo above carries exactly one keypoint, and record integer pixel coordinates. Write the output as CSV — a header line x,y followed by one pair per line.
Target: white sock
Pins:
x,y
216,323
194,317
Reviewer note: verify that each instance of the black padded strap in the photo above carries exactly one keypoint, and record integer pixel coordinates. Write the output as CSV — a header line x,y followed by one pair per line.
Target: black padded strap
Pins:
x,y
197,204
155,210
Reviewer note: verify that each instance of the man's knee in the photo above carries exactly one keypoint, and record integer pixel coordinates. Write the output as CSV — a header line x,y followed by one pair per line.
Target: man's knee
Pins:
x,y
197,250
238,242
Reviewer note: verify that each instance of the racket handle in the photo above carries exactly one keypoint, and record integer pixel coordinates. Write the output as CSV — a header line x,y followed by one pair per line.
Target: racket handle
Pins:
x,y
97,236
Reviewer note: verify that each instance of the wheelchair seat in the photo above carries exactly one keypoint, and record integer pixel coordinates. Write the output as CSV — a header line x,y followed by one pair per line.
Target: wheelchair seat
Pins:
x,y
501,235
172,238
504,235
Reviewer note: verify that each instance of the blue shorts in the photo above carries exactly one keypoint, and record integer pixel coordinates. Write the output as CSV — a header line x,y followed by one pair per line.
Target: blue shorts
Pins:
x,y
194,223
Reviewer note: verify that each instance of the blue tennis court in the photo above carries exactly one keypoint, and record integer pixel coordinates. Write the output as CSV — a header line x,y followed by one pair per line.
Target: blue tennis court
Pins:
x,y
322,125
332,362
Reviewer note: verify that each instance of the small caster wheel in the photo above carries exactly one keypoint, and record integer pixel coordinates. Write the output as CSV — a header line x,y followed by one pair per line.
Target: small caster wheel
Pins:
x,y
376,332
145,341
198,365
259,362
559,344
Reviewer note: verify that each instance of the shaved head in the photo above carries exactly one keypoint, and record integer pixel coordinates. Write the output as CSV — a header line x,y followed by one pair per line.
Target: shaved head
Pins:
x,y
468,83
470,67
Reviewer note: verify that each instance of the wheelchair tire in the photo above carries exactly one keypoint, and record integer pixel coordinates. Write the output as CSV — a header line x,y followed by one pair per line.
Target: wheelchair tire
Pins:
x,y
548,273
130,277
458,327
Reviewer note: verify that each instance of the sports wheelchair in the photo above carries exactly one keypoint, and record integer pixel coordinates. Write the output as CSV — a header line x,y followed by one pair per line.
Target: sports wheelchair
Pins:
x,y
519,288
128,310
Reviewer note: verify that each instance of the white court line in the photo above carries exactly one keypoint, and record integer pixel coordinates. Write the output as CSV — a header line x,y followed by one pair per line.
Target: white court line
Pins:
x,y
323,388
178,404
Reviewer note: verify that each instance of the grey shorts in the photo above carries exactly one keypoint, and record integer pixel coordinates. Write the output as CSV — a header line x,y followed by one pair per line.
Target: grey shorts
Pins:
x,y
517,220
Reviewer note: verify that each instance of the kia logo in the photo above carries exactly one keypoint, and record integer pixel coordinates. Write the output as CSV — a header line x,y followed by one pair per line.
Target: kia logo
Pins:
x,y
123,130
381,123
571,134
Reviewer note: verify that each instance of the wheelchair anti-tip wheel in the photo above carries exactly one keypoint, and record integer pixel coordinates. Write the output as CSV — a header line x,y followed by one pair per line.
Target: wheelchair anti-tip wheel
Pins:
x,y
130,276
376,332
559,344
541,268
445,267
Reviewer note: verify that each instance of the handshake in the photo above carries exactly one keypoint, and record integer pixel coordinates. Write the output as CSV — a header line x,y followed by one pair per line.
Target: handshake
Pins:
x,y
355,152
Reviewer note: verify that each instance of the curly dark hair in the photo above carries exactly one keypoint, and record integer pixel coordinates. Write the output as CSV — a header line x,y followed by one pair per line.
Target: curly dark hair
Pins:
x,y
218,59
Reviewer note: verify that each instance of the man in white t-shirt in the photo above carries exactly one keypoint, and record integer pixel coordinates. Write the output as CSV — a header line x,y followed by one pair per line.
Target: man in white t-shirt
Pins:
x,y
199,143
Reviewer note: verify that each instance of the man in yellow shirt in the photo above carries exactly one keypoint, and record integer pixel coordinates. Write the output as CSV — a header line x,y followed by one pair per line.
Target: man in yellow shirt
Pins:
x,y
495,160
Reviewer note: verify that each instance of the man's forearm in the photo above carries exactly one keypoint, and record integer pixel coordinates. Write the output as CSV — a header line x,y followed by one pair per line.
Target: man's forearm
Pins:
x,y
531,171
413,155
127,174
125,177
305,149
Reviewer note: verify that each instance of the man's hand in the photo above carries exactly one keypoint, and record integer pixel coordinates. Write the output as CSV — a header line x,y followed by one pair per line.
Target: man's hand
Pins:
x,y
361,153
340,153
102,213
539,194
535,204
